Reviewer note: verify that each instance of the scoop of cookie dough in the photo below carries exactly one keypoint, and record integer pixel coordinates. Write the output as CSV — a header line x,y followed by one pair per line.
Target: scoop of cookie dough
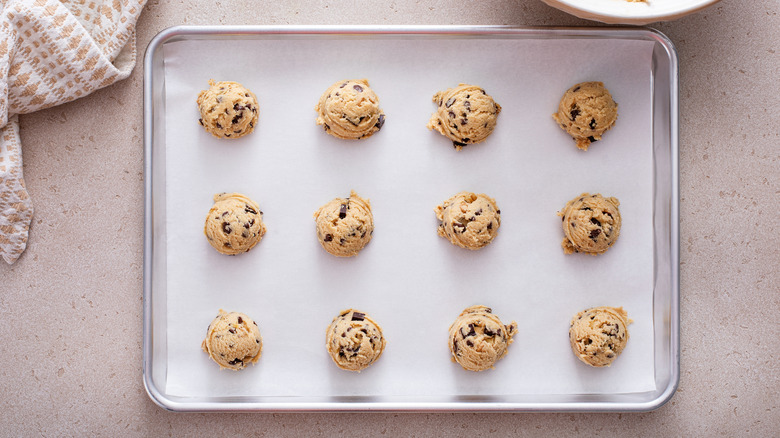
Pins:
x,y
599,335
465,114
227,109
591,224
586,112
478,339
234,224
468,220
350,110
233,340
354,340
345,225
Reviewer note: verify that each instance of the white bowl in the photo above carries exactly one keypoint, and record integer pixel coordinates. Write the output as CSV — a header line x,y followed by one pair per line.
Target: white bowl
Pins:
x,y
625,12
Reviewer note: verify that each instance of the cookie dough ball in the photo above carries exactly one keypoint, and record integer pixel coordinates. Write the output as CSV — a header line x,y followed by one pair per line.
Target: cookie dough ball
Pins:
x,y
345,225
350,110
478,339
599,335
469,221
586,112
354,340
233,340
591,224
227,109
234,224
465,114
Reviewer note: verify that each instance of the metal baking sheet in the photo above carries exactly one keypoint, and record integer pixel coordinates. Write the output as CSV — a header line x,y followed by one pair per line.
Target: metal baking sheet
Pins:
x,y
411,281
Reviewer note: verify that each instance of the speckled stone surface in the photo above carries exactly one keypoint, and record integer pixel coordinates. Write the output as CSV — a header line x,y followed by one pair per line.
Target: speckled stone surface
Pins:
x,y
72,305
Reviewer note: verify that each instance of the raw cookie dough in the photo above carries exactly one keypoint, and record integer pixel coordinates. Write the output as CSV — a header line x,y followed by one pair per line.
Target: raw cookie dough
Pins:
x,y
233,340
234,223
227,109
591,224
468,220
478,339
465,114
354,340
586,111
350,110
345,225
598,335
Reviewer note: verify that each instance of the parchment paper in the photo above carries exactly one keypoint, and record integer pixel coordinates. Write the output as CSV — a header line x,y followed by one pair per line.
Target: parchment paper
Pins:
x,y
412,282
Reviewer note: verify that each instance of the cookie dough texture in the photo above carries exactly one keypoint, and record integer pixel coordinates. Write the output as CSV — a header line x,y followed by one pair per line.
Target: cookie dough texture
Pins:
x,y
591,224
468,220
478,339
234,224
227,109
599,335
586,112
233,340
465,114
354,340
350,110
345,225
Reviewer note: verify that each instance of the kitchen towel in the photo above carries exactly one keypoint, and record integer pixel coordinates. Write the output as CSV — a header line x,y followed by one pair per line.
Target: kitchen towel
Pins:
x,y
52,52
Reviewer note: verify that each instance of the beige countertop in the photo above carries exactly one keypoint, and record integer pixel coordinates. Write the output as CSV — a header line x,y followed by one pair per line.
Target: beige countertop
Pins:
x,y
72,305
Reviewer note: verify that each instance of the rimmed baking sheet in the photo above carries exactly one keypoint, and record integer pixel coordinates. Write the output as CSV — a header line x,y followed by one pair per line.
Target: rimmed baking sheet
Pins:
x,y
408,279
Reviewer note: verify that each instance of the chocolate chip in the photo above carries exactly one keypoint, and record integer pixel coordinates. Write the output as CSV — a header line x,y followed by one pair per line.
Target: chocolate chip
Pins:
x,y
454,346
249,209
343,335
465,140
592,139
236,118
450,101
219,126
249,224
467,105
451,114
594,233
381,121
343,85
236,361
358,88
251,124
357,316
592,124
574,113
576,89
490,226
587,341
328,237
478,212
226,228
497,212
240,320
227,135
471,332
232,330
469,343
342,241
457,143
595,221
488,332
610,355
608,214
364,331
200,121
343,211
463,121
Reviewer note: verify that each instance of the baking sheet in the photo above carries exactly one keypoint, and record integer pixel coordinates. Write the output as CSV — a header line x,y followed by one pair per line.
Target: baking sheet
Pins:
x,y
412,282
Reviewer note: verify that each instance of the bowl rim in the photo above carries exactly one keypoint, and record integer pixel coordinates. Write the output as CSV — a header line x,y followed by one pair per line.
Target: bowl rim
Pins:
x,y
581,9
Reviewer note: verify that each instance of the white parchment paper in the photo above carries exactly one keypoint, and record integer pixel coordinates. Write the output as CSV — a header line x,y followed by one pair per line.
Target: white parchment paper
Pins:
x,y
412,282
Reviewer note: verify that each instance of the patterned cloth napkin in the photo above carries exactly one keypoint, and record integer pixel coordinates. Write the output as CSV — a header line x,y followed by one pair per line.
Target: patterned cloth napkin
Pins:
x,y
52,52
